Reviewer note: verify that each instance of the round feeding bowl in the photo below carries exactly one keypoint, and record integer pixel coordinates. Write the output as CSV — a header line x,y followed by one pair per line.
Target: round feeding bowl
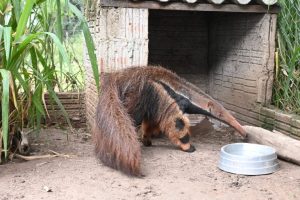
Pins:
x,y
248,159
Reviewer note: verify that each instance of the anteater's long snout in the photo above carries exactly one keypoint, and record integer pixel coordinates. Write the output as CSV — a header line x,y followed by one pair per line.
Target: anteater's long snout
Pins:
x,y
218,111
235,124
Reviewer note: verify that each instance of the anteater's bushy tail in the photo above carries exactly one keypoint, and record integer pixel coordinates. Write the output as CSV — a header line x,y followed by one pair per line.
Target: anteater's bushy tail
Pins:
x,y
116,142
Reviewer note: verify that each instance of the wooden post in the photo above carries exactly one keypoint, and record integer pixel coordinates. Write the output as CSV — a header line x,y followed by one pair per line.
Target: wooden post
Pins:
x,y
267,2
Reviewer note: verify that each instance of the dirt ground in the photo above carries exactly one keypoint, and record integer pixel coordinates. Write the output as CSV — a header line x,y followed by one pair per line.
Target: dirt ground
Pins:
x,y
169,173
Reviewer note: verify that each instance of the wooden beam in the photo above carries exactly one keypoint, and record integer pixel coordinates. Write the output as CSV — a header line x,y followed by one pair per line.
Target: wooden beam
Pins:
x,y
216,1
267,2
190,7
242,2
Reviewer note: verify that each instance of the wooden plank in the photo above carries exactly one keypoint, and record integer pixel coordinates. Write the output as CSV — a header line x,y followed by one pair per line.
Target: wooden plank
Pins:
x,y
67,107
191,7
65,101
67,95
71,114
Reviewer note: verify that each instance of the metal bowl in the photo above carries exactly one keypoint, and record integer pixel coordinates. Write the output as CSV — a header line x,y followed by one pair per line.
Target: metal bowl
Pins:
x,y
248,159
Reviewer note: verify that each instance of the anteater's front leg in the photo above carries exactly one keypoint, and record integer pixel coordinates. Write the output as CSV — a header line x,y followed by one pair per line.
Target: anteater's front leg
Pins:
x,y
147,131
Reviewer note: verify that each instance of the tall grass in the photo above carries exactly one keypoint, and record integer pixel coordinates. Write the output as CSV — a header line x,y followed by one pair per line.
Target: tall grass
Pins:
x,y
286,92
73,75
31,37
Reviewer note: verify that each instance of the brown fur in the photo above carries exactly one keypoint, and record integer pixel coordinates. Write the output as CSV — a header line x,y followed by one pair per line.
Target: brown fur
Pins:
x,y
166,124
135,97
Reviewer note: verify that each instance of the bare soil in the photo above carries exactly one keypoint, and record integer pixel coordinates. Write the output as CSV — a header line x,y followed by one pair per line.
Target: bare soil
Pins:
x,y
169,172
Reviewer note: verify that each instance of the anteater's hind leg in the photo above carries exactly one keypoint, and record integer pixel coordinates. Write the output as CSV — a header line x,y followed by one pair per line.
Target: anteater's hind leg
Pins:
x,y
177,128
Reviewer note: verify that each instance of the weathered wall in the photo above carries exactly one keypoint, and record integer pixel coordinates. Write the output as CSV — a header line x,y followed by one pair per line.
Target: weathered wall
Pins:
x,y
229,55
121,38
241,57
272,118
235,50
178,41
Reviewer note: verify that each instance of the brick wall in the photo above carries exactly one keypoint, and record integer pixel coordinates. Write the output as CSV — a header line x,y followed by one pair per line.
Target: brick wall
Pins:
x,y
121,38
229,55
272,118
74,104
179,41
236,50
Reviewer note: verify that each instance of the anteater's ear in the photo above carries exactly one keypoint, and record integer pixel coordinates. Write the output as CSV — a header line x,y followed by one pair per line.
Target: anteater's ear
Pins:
x,y
210,104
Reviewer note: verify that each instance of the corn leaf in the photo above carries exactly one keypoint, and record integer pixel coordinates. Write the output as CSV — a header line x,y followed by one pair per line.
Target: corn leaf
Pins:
x,y
24,18
7,41
89,44
1,31
36,99
46,71
2,6
56,99
13,91
23,83
17,9
60,47
5,109
59,31
23,45
37,95
30,38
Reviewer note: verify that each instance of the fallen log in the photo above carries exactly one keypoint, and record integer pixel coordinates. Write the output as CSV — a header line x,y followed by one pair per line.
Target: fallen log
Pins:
x,y
286,147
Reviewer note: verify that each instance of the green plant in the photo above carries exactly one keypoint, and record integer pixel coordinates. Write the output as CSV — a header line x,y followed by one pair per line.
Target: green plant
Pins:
x,y
31,35
286,92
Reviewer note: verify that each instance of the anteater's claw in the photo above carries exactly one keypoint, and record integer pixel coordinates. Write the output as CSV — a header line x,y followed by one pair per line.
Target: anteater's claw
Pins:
x,y
191,149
